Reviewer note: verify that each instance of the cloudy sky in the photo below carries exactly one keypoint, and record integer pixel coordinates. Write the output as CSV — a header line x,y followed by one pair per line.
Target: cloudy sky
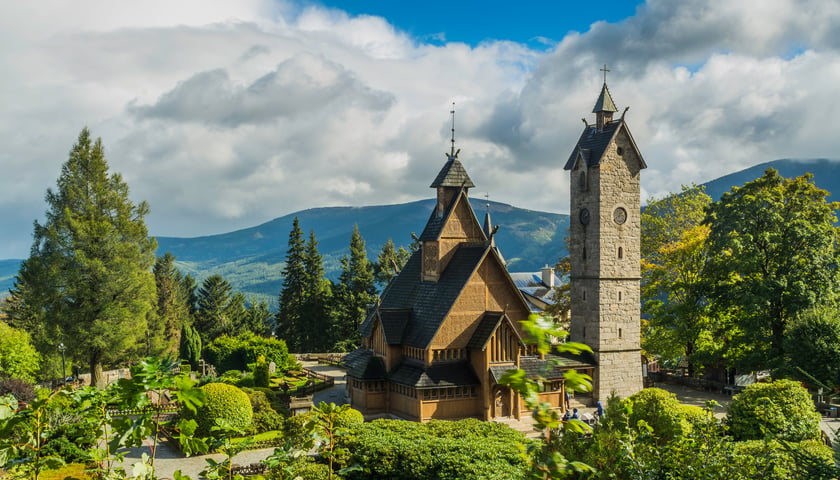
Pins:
x,y
223,114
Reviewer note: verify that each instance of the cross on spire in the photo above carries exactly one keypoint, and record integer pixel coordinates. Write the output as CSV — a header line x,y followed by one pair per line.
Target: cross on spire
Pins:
x,y
605,73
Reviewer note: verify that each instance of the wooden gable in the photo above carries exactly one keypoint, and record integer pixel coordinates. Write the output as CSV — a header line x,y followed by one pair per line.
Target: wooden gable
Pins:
x,y
489,289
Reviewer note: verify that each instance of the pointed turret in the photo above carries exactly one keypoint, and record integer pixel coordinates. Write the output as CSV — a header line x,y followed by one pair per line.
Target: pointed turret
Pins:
x,y
604,108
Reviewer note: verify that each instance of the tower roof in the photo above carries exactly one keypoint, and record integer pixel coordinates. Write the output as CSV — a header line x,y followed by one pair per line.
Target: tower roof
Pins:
x,y
453,174
605,101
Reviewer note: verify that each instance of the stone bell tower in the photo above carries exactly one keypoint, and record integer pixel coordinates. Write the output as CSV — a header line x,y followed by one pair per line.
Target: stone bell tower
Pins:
x,y
604,251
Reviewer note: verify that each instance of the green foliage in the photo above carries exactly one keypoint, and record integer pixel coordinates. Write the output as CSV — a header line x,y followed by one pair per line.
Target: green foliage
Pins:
x,y
261,372
190,350
297,430
222,402
265,418
780,410
18,358
220,311
290,321
674,256
775,256
466,449
23,435
172,312
389,261
770,459
89,271
661,411
354,291
235,353
812,343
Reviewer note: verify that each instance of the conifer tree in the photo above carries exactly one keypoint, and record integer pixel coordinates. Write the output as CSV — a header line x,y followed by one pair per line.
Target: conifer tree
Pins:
x,y
164,332
293,295
259,318
219,311
190,350
90,265
316,315
355,290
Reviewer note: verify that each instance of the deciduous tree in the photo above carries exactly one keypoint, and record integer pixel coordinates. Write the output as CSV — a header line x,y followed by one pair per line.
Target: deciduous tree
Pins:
x,y
774,256
674,256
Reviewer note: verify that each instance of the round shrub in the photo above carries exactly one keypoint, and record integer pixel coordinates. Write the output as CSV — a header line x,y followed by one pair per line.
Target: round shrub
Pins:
x,y
295,431
662,412
782,409
349,419
265,418
312,471
222,401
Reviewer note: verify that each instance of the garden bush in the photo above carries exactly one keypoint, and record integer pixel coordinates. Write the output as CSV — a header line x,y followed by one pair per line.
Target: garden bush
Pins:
x,y
261,372
228,353
769,459
22,390
222,401
466,449
662,412
265,417
295,431
782,410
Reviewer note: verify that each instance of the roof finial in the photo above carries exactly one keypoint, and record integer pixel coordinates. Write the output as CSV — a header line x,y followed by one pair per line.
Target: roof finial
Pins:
x,y
603,70
452,153
487,199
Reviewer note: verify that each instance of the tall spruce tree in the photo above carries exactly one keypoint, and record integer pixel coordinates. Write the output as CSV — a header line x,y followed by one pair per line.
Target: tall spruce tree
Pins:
x,y
164,332
220,312
259,318
90,265
293,295
316,315
354,292
190,349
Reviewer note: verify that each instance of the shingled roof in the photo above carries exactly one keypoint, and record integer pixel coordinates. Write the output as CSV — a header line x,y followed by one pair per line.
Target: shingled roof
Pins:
x,y
362,364
536,367
429,302
605,102
453,174
593,143
458,374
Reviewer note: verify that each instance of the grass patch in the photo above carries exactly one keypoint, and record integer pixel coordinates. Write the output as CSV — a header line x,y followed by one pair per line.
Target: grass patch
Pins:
x,y
270,435
69,471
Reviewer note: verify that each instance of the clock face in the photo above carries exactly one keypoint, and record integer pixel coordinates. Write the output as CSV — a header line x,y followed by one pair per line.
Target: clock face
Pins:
x,y
620,215
584,216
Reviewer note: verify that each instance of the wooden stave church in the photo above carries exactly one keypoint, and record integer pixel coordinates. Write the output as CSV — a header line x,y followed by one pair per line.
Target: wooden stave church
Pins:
x,y
448,325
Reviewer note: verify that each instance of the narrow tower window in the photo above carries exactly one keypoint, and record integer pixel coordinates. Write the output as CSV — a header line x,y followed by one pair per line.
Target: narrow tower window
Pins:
x,y
584,294
620,253
619,296
584,252
619,333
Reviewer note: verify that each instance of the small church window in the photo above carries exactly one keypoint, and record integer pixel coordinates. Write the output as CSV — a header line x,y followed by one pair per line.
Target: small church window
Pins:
x,y
584,332
619,151
619,296
582,180
584,294
620,253
584,252
619,333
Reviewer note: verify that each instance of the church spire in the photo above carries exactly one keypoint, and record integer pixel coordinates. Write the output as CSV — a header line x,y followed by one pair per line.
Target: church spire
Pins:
x,y
604,106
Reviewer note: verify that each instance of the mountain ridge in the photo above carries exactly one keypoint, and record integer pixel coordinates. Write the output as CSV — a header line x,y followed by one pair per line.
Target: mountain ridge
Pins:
x,y
252,258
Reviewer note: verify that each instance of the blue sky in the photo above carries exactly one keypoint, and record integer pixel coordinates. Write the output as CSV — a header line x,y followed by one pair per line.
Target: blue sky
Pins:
x,y
538,24
223,115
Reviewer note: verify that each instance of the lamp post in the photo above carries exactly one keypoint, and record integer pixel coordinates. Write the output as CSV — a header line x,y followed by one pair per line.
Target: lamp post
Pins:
x,y
61,348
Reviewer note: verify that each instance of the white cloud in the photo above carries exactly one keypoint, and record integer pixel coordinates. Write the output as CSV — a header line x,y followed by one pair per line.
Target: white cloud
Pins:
x,y
225,114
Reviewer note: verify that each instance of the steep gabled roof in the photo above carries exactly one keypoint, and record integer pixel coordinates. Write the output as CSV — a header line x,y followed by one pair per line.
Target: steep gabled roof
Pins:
x,y
593,143
453,174
430,302
436,222
487,327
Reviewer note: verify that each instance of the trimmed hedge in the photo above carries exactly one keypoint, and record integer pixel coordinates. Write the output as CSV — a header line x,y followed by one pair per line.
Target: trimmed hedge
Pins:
x,y
222,401
782,409
235,353
662,412
437,450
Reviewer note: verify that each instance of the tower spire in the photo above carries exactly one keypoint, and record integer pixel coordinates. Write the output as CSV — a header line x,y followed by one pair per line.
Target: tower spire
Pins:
x,y
604,106
452,152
